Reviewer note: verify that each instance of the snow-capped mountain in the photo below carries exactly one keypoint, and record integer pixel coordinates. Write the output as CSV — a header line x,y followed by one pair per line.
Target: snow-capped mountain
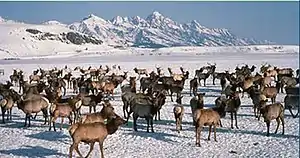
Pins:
x,y
154,31
157,30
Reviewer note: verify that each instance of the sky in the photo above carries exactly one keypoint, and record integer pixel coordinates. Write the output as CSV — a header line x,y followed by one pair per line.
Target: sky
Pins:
x,y
274,21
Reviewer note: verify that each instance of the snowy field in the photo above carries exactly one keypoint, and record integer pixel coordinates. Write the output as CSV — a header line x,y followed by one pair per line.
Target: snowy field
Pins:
x,y
248,141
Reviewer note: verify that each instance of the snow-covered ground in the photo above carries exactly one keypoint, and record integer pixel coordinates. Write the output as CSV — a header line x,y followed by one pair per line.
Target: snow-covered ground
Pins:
x,y
248,141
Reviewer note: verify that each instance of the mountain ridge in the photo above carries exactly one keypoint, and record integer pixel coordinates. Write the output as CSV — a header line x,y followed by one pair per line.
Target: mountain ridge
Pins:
x,y
154,31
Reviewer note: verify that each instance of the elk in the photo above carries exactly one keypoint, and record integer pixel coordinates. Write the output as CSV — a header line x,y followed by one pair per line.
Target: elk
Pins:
x,y
92,133
159,71
193,86
271,112
205,117
178,111
160,100
60,110
140,71
197,102
143,107
6,104
34,105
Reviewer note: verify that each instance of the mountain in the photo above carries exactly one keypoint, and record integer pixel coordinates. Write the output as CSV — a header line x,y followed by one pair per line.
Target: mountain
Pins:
x,y
52,37
94,33
157,30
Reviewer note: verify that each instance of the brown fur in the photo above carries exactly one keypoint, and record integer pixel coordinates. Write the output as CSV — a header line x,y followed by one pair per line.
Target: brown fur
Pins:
x,y
92,133
205,117
271,112
269,92
61,110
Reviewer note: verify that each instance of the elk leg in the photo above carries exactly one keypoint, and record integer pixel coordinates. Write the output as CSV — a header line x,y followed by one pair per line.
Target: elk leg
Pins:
x,y
94,108
254,108
278,122
91,149
231,115
101,148
134,121
29,119
77,150
112,94
71,150
3,112
20,89
148,124
177,123
221,123
235,113
25,120
50,123
159,115
268,127
198,135
35,116
282,121
45,113
209,132
10,114
151,123
7,116
171,96
70,119
124,109
52,120
128,115
215,133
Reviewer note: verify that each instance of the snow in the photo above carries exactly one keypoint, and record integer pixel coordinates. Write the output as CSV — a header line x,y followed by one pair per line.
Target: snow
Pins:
x,y
53,22
248,141
162,25
15,41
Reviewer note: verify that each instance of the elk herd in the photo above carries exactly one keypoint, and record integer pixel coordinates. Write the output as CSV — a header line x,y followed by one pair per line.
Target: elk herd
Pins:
x,y
45,91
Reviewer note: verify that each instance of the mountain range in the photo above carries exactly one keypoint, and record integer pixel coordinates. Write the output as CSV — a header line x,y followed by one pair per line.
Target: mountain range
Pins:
x,y
155,31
